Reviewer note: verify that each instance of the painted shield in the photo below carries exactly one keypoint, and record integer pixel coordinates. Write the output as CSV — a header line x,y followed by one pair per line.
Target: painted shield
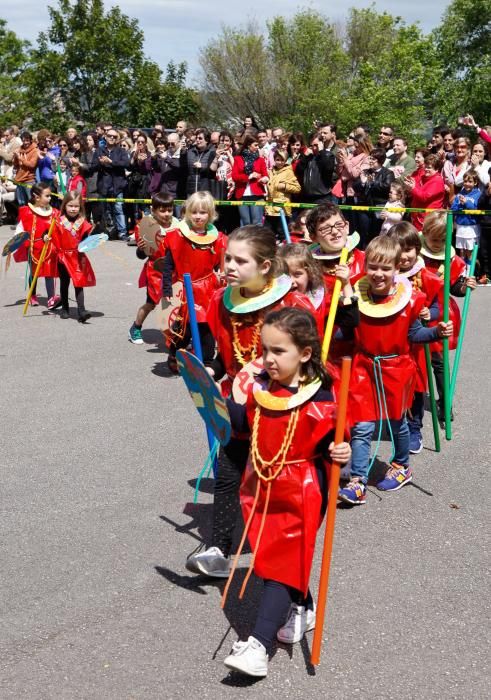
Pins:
x,y
92,242
245,378
205,394
15,243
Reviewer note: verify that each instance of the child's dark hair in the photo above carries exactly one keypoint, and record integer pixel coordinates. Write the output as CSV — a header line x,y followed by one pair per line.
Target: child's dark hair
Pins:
x,y
37,190
301,326
301,253
71,197
320,214
162,199
406,235
263,245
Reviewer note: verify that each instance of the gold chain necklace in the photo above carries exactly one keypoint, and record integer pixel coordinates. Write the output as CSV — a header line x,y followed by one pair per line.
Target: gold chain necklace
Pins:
x,y
246,353
261,465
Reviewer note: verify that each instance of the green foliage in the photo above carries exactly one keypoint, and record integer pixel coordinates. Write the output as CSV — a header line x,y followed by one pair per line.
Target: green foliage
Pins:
x,y
463,41
13,59
375,69
89,65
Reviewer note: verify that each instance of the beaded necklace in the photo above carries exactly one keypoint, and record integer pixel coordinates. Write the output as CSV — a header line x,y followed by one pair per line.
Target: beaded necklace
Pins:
x,y
263,467
246,353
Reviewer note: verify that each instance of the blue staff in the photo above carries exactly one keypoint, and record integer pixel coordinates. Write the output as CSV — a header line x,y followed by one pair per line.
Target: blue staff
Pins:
x,y
288,238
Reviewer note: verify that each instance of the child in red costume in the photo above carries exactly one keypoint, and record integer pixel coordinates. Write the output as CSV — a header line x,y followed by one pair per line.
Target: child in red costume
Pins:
x,y
433,253
235,317
71,228
196,247
162,208
35,218
413,267
290,415
330,231
384,371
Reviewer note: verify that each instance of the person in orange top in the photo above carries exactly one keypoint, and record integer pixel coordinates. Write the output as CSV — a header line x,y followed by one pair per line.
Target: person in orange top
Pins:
x,y
25,163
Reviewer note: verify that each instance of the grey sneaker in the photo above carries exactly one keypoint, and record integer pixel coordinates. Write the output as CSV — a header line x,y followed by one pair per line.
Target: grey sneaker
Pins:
x,y
210,562
248,657
298,622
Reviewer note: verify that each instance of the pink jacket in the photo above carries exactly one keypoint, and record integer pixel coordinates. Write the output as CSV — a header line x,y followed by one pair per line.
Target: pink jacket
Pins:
x,y
351,169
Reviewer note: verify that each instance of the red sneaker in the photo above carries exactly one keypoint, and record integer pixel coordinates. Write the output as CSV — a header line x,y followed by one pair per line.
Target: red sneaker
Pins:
x,y
33,301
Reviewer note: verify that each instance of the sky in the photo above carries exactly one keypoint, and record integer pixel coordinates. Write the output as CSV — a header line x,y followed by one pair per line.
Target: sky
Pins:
x,y
177,29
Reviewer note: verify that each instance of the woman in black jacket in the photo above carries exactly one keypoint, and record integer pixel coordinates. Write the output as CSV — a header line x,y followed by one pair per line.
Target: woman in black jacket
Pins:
x,y
372,189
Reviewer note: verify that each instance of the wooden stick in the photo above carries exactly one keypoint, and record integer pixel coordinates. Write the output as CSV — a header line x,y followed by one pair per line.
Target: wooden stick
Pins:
x,y
39,265
331,514
332,310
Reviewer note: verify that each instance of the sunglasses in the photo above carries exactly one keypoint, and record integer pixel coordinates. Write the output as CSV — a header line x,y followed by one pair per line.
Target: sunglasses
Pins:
x,y
385,133
63,145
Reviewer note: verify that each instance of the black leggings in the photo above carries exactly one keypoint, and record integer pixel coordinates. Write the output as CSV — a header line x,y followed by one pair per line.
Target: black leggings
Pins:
x,y
274,606
64,285
231,464
206,337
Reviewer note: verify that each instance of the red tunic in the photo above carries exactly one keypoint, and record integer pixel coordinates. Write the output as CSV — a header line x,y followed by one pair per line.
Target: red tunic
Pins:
x,y
430,285
38,227
248,327
457,269
66,237
149,276
200,262
379,337
293,516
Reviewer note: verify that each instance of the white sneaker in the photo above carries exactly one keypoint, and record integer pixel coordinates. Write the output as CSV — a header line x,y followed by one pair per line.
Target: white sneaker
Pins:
x,y
248,657
298,622
210,562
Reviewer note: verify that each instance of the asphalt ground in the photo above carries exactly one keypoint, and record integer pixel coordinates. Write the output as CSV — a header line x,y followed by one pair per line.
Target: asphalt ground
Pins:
x,y
100,450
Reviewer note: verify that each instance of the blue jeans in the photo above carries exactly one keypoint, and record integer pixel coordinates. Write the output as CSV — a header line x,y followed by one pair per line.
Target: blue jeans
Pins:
x,y
22,195
361,438
117,212
251,214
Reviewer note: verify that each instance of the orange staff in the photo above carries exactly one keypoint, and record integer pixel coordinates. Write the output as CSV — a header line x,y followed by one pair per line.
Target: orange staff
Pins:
x,y
332,310
331,514
39,265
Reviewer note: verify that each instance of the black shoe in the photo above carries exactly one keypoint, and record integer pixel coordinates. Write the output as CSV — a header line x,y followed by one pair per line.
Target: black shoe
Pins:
x,y
172,364
441,412
65,313
83,317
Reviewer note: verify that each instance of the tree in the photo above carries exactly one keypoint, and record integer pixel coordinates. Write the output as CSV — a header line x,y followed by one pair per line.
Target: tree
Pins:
x,y
394,73
373,69
463,41
13,60
90,65
238,77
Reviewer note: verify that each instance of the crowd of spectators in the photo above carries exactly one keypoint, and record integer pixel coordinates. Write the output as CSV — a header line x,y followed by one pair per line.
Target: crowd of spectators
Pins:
x,y
251,164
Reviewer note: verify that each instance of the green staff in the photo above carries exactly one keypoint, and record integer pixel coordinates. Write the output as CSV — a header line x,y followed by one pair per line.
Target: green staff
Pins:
x,y
465,313
447,402
431,389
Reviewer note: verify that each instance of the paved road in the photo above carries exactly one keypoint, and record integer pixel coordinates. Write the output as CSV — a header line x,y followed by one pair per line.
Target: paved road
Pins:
x,y
99,452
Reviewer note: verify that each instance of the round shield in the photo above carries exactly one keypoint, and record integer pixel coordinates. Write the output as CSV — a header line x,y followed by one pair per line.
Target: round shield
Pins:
x,y
15,243
245,379
148,229
92,242
206,397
